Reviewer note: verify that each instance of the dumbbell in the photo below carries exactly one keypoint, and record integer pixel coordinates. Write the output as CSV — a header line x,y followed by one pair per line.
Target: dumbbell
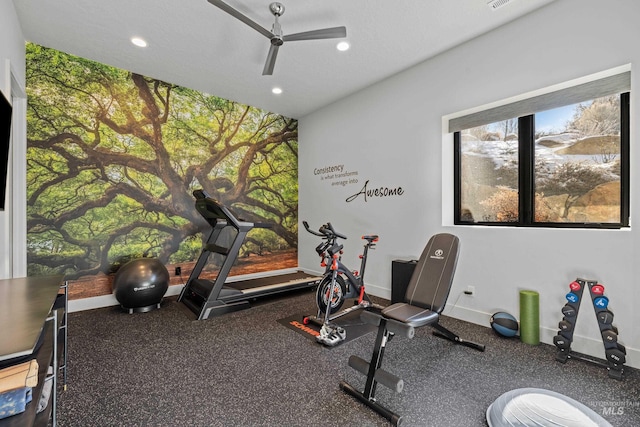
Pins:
x,y
605,317
597,289
575,286
565,325
569,311
601,303
561,342
573,298
610,339
616,355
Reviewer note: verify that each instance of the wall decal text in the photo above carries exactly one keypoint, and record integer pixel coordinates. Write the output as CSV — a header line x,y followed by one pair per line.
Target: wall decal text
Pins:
x,y
375,192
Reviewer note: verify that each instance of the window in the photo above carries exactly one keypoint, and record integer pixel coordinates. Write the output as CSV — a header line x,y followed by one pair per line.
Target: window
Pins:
x,y
565,165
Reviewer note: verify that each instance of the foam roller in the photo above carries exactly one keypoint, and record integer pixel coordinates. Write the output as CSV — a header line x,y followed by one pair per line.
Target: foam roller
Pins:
x,y
530,317
400,329
359,364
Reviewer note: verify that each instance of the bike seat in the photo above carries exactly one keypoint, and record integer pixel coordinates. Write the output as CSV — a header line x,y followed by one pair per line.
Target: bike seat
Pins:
x,y
370,238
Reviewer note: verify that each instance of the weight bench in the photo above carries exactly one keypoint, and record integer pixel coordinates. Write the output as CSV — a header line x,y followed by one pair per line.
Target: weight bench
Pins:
x,y
425,299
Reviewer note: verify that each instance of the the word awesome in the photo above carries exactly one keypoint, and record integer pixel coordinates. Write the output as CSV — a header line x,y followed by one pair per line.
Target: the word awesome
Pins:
x,y
376,192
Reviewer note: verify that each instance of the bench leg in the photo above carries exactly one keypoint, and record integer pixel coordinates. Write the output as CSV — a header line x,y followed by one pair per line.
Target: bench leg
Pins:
x,y
367,397
442,332
394,418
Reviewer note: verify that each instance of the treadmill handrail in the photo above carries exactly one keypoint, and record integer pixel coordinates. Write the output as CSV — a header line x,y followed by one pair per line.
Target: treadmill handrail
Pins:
x,y
211,209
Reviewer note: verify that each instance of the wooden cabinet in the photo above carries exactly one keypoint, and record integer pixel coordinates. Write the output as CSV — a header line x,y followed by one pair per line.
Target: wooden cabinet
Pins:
x,y
33,321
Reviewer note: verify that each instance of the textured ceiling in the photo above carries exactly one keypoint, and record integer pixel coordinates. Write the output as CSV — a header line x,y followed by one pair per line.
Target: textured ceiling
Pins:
x,y
197,45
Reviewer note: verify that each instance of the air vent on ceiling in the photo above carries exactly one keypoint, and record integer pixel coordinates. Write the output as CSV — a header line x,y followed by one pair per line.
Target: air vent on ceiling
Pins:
x,y
496,4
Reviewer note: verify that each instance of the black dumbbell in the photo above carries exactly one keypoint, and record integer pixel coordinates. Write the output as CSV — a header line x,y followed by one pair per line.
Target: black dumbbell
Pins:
x,y
567,334
605,317
616,356
569,311
610,339
565,325
561,342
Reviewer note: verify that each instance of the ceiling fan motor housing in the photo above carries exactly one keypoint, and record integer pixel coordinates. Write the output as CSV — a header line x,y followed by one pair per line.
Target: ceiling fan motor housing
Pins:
x,y
276,8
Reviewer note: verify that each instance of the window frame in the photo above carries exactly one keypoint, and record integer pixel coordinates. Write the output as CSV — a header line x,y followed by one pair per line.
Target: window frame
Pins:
x,y
526,177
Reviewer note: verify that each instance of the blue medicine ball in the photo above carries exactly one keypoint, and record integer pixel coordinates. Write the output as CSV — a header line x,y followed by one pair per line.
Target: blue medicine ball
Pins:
x,y
504,324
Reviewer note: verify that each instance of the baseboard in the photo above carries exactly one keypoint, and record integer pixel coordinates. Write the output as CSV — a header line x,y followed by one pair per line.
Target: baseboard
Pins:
x,y
378,291
580,344
92,303
468,315
103,301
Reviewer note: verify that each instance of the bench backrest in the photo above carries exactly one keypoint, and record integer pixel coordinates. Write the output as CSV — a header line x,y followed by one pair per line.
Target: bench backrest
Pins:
x,y
433,276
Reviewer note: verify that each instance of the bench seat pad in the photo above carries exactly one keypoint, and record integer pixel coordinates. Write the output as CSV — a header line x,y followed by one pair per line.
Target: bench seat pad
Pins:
x,y
410,314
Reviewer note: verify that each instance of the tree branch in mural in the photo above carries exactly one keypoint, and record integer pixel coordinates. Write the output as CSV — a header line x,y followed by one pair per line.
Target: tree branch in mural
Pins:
x,y
114,156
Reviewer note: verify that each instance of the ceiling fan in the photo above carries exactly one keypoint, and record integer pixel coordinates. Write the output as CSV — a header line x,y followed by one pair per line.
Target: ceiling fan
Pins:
x,y
275,35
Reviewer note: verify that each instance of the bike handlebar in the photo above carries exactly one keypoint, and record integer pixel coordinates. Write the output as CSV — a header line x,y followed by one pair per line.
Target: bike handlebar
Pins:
x,y
306,226
327,231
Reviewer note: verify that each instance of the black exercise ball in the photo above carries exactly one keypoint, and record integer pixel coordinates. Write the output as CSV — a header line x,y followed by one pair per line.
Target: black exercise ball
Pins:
x,y
140,284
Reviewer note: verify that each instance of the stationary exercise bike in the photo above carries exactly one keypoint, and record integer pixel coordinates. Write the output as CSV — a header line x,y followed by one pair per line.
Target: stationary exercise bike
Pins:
x,y
338,283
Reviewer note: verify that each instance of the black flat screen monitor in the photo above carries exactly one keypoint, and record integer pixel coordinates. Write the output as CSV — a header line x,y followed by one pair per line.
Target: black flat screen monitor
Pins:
x,y
5,139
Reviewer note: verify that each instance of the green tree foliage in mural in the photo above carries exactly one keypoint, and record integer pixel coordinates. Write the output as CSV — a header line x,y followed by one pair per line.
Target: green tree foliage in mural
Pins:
x,y
113,158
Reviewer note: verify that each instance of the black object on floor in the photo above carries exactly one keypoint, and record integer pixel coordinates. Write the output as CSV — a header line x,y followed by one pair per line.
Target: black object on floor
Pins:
x,y
351,323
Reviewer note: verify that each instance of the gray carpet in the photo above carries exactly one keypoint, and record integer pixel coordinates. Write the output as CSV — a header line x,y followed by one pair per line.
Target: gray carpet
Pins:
x,y
245,369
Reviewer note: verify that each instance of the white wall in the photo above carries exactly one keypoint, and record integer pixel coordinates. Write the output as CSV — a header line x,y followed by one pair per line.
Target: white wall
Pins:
x,y
12,62
392,134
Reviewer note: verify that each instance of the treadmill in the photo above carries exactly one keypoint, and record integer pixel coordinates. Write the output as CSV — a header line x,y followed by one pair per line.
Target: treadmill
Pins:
x,y
207,298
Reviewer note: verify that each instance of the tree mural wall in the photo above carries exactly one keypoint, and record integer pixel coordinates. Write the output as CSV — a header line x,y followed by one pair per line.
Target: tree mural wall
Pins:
x,y
113,158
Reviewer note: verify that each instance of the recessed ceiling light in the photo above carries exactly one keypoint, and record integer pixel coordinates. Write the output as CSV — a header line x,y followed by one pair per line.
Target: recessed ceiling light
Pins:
x,y
139,42
496,4
276,90
342,46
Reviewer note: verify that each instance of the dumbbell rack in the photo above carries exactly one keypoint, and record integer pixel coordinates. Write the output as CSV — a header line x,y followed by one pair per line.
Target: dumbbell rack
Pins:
x,y
614,351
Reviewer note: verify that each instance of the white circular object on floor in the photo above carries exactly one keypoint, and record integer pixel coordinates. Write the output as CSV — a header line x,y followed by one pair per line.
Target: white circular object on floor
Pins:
x,y
535,407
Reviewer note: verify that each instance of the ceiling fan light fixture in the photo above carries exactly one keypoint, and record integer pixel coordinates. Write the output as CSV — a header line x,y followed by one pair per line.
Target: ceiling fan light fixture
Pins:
x,y
342,46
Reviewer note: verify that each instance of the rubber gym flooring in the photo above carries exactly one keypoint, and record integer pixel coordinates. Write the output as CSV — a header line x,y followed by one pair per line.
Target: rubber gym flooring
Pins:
x,y
246,369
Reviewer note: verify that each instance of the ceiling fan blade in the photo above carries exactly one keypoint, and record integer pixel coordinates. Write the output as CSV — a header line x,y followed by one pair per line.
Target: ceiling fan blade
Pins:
x,y
326,33
233,12
271,60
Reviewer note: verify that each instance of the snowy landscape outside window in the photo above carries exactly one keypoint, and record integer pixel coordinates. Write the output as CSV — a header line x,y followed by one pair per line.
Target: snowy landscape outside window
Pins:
x,y
562,167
